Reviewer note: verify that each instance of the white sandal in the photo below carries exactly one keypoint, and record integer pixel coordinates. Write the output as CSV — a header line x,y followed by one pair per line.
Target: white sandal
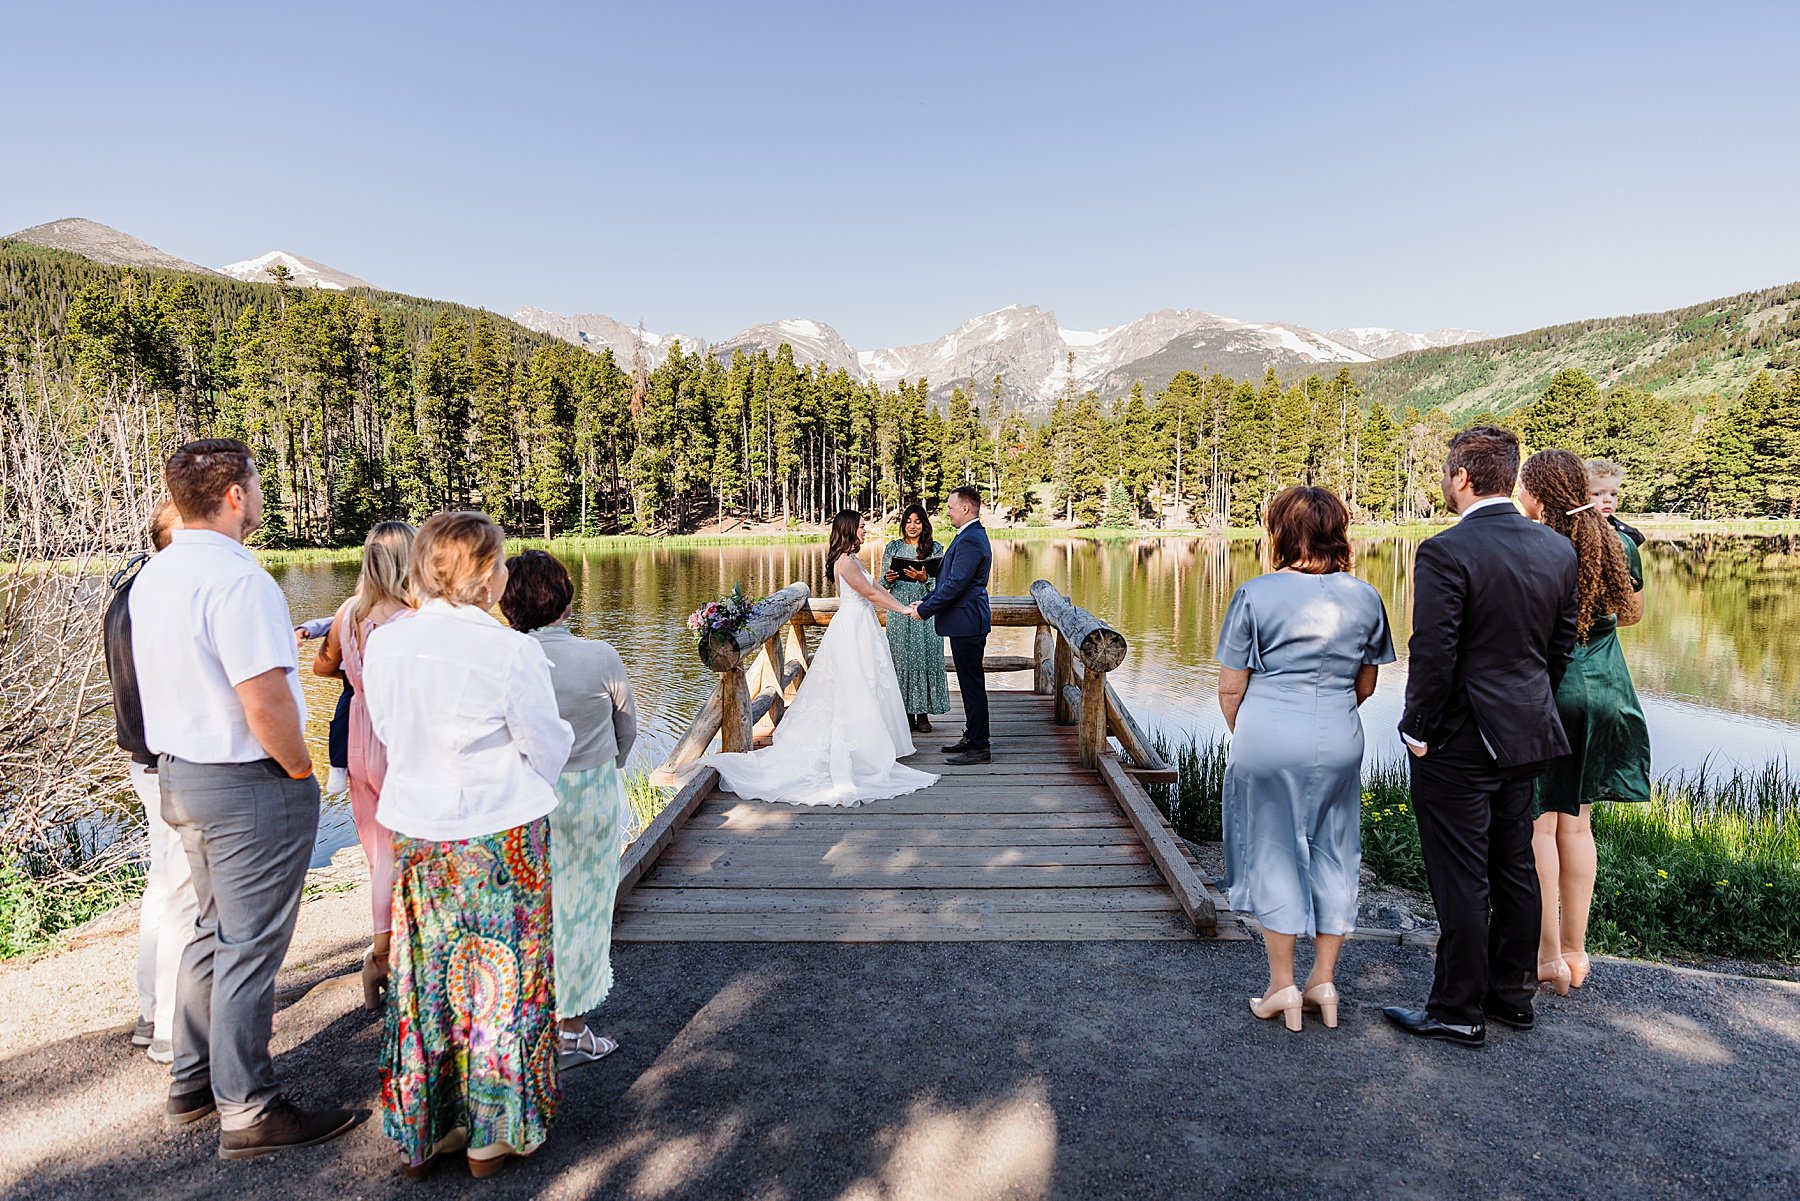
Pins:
x,y
583,1047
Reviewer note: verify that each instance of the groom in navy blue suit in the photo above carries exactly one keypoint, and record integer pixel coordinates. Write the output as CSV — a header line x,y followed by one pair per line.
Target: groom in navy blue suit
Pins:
x,y
960,604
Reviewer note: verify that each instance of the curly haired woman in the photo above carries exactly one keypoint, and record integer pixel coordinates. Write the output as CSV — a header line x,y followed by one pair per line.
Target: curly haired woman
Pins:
x,y
1610,758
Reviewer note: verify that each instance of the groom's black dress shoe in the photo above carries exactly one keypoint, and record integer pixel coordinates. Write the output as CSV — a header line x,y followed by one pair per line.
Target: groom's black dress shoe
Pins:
x,y
1420,1024
958,747
975,754
1519,1017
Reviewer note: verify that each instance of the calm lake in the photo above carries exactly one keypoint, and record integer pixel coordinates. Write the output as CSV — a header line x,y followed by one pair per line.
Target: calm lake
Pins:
x,y
1715,657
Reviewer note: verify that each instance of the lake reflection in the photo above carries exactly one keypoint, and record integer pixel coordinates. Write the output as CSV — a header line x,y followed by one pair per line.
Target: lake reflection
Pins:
x,y
1714,658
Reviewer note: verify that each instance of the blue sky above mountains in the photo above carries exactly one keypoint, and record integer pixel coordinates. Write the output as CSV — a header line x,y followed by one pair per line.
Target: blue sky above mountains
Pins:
x,y
894,168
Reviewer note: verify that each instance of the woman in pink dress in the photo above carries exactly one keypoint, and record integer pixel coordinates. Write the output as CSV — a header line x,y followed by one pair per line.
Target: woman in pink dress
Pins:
x,y
381,595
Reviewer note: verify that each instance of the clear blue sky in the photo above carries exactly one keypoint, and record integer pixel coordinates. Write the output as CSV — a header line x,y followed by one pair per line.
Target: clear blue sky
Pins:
x,y
894,168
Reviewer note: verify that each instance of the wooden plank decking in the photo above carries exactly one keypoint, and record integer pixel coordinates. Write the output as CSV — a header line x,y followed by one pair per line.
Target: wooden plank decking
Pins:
x,y
1031,846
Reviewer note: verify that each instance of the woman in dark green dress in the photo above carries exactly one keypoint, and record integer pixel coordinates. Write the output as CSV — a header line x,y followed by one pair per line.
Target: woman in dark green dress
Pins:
x,y
917,649
1609,757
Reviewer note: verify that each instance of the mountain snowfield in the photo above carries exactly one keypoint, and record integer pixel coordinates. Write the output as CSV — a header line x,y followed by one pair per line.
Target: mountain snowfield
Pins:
x,y
1380,342
1027,348
302,271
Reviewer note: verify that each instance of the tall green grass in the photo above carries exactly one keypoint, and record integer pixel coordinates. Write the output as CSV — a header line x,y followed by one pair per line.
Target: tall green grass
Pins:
x,y
646,800
1191,803
1710,866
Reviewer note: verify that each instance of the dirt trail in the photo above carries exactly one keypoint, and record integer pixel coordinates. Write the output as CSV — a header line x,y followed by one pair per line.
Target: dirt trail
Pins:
x,y
968,1070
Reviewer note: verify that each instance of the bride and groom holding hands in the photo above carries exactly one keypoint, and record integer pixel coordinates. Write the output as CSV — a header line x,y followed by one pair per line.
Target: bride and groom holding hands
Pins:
x,y
842,739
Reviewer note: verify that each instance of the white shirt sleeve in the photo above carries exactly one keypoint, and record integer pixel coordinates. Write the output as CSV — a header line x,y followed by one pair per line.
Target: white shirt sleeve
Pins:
x,y
250,629
538,730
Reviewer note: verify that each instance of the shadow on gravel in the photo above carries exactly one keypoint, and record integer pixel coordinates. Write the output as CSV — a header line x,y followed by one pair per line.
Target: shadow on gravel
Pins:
x,y
1024,1070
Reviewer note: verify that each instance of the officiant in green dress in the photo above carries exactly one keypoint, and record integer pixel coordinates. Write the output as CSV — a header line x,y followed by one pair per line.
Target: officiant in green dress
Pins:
x,y
918,650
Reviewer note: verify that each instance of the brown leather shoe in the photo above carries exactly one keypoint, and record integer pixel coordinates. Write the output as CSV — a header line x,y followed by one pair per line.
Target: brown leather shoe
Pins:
x,y
182,1109
283,1127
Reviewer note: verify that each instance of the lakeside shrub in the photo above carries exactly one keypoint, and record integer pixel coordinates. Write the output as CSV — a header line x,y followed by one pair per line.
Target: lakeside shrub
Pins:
x,y
1390,832
35,909
1709,867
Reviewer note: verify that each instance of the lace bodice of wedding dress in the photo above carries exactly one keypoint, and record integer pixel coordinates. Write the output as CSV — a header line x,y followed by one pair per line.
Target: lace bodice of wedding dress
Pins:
x,y
841,740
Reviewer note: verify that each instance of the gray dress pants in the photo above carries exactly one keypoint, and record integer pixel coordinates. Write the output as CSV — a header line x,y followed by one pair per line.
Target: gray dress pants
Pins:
x,y
248,831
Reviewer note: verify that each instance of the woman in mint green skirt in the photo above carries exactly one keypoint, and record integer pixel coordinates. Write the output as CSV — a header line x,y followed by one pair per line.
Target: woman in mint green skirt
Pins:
x,y
591,820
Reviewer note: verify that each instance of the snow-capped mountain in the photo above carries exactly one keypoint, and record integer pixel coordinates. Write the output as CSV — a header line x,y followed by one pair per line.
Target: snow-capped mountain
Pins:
x,y
813,342
302,272
1380,342
1022,344
598,332
103,244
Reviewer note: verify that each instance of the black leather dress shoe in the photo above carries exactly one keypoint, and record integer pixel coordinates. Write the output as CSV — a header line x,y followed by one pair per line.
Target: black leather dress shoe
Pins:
x,y
958,747
1420,1024
1519,1017
975,754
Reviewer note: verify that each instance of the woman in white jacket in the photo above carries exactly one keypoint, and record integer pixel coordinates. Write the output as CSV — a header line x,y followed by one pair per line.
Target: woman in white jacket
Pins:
x,y
466,710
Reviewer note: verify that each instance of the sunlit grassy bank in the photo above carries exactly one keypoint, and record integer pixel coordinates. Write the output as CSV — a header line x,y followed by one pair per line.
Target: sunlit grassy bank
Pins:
x,y
1710,867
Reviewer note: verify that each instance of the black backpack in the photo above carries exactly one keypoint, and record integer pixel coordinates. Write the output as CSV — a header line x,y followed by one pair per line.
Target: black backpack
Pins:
x,y
121,668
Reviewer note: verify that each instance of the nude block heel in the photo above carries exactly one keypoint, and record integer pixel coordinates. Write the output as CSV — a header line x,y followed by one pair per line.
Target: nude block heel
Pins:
x,y
1324,998
1286,1002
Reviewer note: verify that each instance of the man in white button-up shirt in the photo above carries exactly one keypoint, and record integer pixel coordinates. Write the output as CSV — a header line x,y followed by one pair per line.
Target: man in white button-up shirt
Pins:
x,y
218,679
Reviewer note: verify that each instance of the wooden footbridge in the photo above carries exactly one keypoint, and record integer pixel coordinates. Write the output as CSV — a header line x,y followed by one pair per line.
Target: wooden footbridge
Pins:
x,y
1055,839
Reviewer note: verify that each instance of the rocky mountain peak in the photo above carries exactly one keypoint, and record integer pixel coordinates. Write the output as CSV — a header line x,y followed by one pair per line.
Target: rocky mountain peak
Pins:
x,y
103,244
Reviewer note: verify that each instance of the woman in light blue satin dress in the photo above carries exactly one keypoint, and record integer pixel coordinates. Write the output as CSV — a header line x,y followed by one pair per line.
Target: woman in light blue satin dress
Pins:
x,y
1298,654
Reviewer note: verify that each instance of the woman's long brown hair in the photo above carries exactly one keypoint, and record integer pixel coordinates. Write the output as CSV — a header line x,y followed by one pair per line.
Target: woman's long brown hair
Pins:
x,y
843,537
1603,578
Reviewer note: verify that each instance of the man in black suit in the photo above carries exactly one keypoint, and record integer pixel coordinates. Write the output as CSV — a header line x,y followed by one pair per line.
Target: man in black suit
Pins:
x,y
1494,608
960,604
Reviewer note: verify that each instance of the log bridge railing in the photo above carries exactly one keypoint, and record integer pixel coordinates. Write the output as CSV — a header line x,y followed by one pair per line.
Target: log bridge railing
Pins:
x,y
1073,652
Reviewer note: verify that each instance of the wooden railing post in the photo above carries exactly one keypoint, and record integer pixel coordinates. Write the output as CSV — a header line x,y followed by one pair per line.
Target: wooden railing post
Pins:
x,y
731,712
735,722
1090,730
1062,681
1043,652
1101,649
800,662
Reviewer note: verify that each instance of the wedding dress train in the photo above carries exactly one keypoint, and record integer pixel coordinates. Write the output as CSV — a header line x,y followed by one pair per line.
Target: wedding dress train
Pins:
x,y
841,740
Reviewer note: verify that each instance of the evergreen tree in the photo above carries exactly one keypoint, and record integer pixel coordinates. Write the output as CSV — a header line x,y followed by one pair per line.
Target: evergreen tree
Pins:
x,y
1564,415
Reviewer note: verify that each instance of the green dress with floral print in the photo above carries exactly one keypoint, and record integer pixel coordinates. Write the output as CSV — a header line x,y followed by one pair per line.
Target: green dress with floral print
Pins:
x,y
917,649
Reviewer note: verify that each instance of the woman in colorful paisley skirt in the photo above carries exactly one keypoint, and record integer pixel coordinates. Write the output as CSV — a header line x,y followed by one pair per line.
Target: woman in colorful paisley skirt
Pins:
x,y
467,712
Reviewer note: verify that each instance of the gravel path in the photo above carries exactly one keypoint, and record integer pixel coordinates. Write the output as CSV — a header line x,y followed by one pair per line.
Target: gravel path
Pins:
x,y
973,1070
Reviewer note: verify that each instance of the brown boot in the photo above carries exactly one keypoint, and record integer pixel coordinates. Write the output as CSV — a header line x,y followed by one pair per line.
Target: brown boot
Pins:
x,y
283,1127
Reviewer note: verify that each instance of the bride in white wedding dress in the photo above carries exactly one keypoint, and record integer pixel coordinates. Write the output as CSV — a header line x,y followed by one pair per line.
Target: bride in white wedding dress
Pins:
x,y
841,740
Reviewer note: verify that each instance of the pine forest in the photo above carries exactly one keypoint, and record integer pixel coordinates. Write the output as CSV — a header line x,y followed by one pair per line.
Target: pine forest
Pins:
x,y
365,405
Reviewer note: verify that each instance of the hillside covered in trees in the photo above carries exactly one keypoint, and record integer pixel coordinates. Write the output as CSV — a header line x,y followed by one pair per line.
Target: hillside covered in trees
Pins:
x,y
363,405
1687,355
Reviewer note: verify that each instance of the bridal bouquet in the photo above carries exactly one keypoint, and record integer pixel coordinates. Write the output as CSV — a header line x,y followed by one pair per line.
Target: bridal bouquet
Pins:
x,y
724,617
